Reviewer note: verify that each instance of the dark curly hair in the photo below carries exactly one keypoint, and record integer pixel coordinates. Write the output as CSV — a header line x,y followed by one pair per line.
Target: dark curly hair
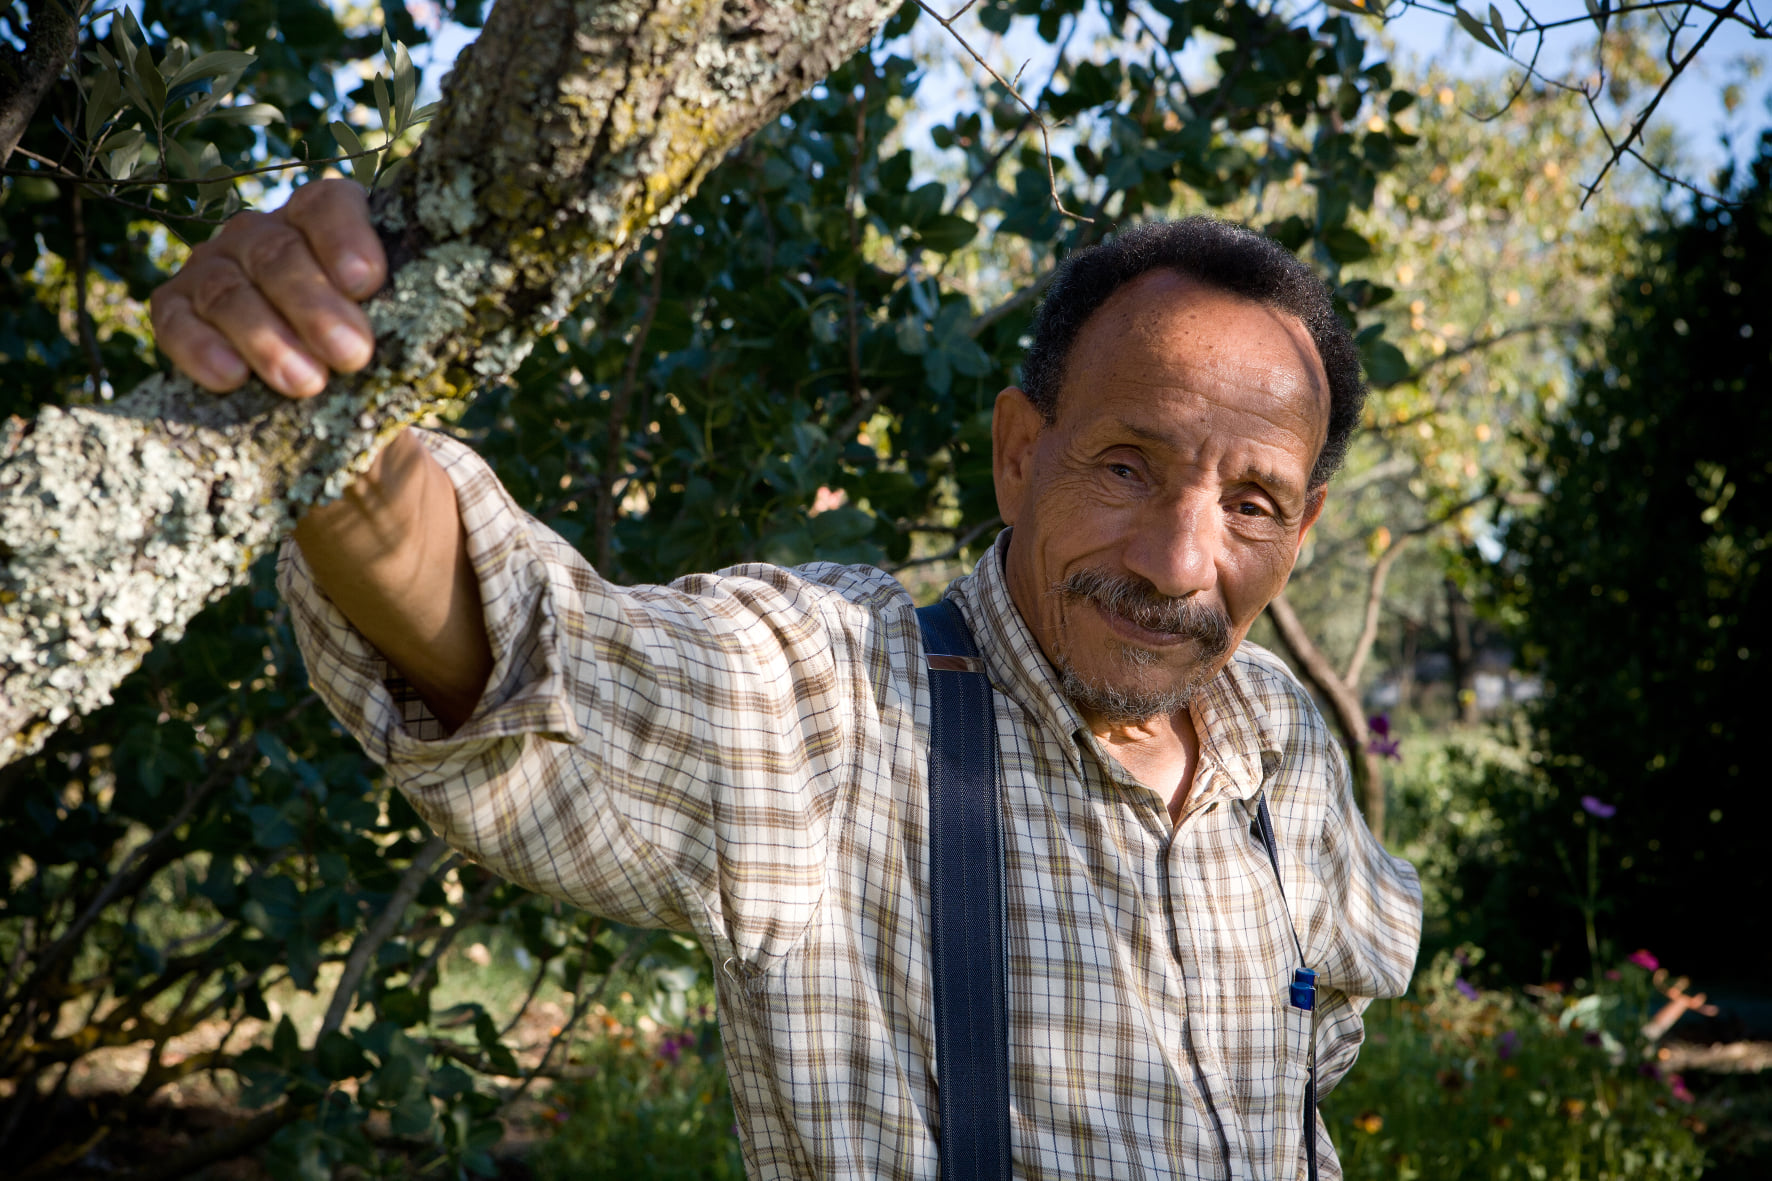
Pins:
x,y
1222,255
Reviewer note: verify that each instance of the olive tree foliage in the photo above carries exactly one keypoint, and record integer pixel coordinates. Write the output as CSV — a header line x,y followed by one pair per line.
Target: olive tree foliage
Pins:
x,y
797,362
1502,268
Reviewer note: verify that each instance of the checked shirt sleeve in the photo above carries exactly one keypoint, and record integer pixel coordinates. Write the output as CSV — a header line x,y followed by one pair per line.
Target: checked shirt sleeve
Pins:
x,y
654,754
1376,901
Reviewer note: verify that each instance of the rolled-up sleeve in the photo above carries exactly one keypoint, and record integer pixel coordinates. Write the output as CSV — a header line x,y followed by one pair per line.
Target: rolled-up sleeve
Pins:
x,y
655,754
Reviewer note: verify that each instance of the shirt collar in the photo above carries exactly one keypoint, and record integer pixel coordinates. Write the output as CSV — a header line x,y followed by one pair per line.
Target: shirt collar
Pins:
x,y
1237,741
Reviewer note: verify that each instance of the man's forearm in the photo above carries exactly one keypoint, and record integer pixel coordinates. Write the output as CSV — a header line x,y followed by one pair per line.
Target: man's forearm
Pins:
x,y
392,555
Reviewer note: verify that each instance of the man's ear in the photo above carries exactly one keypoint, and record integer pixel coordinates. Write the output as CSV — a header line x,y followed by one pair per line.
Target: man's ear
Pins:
x,y
1313,509
1015,428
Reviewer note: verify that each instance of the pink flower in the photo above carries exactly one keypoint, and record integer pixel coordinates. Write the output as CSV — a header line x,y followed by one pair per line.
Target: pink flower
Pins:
x,y
1642,959
1595,806
1678,1086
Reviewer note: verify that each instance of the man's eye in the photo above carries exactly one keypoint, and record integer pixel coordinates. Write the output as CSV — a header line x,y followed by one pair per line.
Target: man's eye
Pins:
x,y
1249,508
1123,470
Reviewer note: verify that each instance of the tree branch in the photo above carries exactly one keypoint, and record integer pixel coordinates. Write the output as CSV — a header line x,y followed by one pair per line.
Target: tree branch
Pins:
x,y
1344,707
386,923
27,75
119,522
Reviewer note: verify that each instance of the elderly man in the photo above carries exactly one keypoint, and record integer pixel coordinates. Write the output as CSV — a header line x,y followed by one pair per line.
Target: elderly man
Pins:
x,y
742,756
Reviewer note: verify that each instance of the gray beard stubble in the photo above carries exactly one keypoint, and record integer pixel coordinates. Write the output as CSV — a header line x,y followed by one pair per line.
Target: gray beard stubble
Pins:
x,y
1137,600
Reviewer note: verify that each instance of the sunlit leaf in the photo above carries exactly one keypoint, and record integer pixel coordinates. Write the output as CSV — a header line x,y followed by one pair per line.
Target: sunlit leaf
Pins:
x,y
213,65
123,151
383,106
249,115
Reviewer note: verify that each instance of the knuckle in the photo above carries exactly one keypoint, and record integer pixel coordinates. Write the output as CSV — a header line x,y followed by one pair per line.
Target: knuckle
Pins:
x,y
275,249
216,288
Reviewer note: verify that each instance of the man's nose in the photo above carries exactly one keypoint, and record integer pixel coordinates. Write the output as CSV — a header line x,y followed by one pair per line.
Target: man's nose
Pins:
x,y
1176,544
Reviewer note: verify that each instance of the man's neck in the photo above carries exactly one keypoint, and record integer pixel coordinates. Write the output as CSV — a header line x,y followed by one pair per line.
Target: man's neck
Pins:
x,y
1162,753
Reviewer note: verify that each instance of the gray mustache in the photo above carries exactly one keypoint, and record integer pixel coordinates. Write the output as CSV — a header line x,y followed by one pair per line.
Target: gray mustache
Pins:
x,y
1135,599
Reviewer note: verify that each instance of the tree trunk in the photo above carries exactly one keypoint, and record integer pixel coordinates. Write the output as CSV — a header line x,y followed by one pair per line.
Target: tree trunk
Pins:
x,y
27,74
566,131
1344,706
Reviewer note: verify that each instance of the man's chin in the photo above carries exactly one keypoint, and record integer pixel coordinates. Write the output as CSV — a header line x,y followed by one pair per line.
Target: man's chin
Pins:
x,y
1132,695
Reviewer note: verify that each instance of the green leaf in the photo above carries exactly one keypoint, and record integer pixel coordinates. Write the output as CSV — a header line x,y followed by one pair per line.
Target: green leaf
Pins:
x,y
404,1007
383,106
1384,362
405,82
181,157
413,1117
212,65
286,1043
338,1057
362,168
1499,25
1345,244
103,100
122,153
147,75
1474,27
126,35
249,115
946,233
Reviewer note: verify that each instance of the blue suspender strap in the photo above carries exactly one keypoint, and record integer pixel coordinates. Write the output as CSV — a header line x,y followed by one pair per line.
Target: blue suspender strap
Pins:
x,y
966,904
1303,990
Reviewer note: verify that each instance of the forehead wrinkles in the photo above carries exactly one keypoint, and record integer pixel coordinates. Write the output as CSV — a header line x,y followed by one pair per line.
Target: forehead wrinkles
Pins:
x,y
1200,338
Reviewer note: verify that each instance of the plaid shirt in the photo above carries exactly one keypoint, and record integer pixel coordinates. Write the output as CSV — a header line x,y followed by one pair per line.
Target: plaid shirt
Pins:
x,y
741,756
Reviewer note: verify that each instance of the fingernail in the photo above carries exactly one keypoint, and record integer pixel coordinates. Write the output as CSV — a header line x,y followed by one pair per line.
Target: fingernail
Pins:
x,y
356,272
297,375
224,364
348,347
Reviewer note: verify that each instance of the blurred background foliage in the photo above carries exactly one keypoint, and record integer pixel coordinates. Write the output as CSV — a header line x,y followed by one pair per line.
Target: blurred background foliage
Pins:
x,y
223,937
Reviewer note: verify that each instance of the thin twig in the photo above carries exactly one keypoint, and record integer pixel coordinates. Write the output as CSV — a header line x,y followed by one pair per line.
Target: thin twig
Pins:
x,y
580,1005
1636,127
1045,132
960,546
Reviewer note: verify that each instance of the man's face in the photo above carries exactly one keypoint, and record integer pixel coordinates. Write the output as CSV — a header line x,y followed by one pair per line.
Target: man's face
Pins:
x,y
1166,505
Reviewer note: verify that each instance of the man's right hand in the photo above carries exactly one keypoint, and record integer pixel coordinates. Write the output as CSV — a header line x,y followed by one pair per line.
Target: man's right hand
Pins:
x,y
277,293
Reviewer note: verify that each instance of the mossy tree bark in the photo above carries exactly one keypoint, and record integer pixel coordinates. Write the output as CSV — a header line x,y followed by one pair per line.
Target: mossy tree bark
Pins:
x,y
566,130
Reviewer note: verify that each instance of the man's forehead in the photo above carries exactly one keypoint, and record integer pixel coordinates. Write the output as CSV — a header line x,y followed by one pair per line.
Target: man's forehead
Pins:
x,y
1168,332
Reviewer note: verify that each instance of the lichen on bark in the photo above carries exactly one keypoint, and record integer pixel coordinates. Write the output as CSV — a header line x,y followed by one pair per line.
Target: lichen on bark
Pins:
x,y
565,132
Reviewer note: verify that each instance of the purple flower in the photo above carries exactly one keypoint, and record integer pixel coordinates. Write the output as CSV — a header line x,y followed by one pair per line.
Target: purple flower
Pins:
x,y
1507,1045
673,1046
1380,741
1595,806
1643,959
1466,989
